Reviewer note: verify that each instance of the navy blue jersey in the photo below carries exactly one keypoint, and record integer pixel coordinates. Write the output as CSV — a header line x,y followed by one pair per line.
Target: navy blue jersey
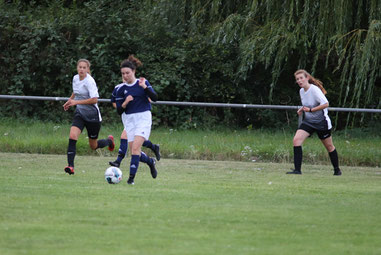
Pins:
x,y
140,103
114,92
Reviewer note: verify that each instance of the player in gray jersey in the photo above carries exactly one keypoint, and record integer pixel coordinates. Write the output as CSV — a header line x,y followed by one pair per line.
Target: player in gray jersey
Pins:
x,y
316,119
85,97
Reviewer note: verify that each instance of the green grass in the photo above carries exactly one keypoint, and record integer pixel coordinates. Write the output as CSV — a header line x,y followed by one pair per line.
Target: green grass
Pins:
x,y
354,148
193,207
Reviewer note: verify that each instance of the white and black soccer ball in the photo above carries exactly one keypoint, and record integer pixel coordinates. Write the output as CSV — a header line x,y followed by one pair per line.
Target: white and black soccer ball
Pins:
x,y
113,175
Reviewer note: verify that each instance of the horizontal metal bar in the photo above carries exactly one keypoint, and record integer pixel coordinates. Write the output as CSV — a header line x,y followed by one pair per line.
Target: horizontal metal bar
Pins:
x,y
257,106
201,104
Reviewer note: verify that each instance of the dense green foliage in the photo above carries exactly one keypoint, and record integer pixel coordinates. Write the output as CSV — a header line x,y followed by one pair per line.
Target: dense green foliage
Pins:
x,y
207,51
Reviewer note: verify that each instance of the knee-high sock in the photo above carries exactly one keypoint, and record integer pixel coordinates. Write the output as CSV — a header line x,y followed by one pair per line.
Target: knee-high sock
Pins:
x,y
122,150
334,159
148,144
71,150
298,156
134,164
144,158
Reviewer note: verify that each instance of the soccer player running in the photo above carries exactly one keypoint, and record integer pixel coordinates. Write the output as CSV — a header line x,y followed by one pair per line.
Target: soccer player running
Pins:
x,y
315,104
133,103
123,137
85,97
123,149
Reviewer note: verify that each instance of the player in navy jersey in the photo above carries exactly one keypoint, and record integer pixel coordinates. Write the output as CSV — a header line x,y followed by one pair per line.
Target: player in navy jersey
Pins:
x,y
132,101
315,104
85,97
123,138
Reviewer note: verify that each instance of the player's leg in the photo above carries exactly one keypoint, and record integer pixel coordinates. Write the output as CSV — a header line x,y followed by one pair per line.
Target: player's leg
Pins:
x,y
72,148
154,147
129,127
75,130
328,144
93,129
139,133
143,130
151,162
137,155
122,150
298,140
135,147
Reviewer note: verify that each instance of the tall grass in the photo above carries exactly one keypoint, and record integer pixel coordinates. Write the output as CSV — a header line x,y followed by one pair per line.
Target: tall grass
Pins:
x,y
355,148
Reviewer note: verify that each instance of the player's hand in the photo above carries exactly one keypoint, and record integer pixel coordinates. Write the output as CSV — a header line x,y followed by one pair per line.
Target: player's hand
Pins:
x,y
306,109
142,82
300,111
67,105
128,99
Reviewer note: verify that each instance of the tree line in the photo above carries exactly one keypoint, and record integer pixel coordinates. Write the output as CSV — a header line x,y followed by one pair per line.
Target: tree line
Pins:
x,y
204,51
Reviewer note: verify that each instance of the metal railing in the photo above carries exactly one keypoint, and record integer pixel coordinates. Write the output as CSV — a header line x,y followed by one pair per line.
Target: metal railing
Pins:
x,y
201,104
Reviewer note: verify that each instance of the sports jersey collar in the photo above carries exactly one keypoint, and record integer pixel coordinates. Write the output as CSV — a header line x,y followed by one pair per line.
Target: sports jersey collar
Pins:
x,y
309,88
131,84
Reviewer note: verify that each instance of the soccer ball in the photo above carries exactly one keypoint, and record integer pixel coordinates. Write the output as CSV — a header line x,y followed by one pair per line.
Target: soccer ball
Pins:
x,y
113,175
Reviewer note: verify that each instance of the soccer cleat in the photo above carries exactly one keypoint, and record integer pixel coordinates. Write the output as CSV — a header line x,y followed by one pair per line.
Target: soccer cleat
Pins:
x,y
156,150
114,163
294,172
112,145
337,171
69,170
152,167
130,181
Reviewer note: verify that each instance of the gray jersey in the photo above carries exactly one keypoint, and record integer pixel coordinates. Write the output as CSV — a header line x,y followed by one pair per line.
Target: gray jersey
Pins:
x,y
311,98
85,89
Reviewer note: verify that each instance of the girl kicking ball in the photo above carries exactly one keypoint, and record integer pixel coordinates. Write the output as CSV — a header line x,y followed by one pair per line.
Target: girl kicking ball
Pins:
x,y
133,103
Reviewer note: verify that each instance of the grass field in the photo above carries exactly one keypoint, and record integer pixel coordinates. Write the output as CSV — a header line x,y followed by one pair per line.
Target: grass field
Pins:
x,y
193,207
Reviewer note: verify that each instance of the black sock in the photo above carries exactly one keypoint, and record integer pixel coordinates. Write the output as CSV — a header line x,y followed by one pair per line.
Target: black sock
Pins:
x,y
298,155
71,150
103,143
334,159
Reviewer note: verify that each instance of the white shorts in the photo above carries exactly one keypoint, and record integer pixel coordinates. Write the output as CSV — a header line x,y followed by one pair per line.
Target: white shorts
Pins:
x,y
137,124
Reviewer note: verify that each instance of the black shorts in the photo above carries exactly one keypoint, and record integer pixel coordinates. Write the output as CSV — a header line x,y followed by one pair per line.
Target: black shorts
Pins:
x,y
322,134
93,128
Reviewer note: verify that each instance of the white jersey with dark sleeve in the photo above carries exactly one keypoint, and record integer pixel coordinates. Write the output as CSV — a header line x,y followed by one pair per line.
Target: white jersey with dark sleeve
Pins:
x,y
86,89
311,98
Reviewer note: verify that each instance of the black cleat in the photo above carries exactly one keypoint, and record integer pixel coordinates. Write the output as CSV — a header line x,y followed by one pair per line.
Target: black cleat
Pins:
x,y
337,171
156,150
152,167
130,181
115,163
294,172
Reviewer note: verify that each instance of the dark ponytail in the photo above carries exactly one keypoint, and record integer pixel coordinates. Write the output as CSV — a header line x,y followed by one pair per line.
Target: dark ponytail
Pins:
x,y
131,62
